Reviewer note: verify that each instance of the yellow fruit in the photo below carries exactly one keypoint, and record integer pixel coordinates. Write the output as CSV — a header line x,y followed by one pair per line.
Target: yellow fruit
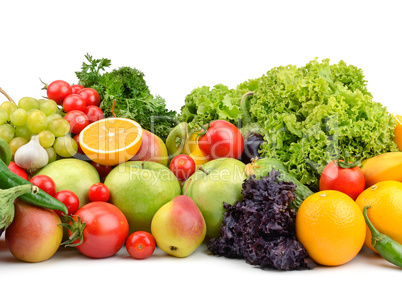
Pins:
x,y
111,141
331,227
398,131
192,149
385,199
387,166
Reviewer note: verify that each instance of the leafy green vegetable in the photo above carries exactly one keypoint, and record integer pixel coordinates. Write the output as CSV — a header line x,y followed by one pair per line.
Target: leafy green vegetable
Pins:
x,y
309,112
133,98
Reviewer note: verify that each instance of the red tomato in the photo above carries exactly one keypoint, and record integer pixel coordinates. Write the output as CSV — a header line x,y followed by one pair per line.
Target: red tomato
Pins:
x,y
140,245
78,120
91,96
183,166
103,170
75,88
18,170
222,140
98,192
94,113
58,90
106,229
347,180
70,200
45,183
74,102
77,140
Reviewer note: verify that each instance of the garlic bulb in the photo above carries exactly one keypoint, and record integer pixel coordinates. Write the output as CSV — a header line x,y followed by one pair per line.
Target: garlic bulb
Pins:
x,y
32,155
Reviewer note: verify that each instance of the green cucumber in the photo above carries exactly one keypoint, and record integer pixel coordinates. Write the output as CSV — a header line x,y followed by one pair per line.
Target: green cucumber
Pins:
x,y
5,152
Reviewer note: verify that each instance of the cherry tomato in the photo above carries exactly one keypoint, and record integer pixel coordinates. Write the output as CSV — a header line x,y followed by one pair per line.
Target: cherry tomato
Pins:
x,y
45,183
103,170
78,120
75,88
140,245
222,140
58,90
74,102
77,140
70,200
106,229
18,170
183,166
91,96
347,180
98,192
94,113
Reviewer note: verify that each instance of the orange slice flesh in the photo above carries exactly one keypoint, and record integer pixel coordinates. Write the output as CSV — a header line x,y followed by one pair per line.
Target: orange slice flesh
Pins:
x,y
398,131
111,141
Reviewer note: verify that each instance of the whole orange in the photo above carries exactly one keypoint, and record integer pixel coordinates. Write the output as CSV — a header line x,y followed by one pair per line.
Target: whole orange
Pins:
x,y
385,199
331,227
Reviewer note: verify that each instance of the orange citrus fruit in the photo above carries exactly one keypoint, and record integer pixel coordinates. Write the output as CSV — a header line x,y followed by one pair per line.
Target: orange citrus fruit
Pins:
x,y
398,131
385,199
111,141
331,227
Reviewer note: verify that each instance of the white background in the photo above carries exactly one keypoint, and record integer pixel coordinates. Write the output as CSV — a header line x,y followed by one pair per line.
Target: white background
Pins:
x,y
181,45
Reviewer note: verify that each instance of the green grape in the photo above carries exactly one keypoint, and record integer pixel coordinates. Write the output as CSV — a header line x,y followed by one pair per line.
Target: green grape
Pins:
x,y
48,107
7,132
3,116
52,154
23,131
19,117
28,103
53,116
65,146
59,126
37,121
46,138
9,107
16,143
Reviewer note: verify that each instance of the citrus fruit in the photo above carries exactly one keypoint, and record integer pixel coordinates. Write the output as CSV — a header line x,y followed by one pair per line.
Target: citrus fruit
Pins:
x,y
385,199
331,227
111,141
398,131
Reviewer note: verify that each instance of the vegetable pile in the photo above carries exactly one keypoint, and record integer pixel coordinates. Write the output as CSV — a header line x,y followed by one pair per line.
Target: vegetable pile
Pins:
x,y
261,227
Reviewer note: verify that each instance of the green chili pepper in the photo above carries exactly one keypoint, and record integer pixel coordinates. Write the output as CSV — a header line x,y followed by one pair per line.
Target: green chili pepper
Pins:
x,y
388,248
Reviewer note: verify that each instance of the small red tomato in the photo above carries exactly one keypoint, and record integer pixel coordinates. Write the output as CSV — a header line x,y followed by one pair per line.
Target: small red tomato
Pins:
x,y
18,170
222,140
183,166
74,102
77,140
91,96
94,113
45,183
58,90
103,170
75,88
105,231
348,180
140,245
78,120
70,200
98,192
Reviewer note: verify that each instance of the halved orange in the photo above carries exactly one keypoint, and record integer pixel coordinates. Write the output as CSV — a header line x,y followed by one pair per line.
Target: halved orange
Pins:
x,y
111,141
398,131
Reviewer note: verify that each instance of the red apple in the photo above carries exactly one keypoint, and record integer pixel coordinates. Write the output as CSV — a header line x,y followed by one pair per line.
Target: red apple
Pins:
x,y
152,149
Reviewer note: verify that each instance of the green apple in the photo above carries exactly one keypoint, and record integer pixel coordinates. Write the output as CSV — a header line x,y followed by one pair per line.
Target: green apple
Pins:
x,y
72,174
152,149
214,183
179,227
139,189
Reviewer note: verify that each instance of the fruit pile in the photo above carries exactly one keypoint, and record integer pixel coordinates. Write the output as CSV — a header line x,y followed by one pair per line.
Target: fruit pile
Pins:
x,y
96,183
